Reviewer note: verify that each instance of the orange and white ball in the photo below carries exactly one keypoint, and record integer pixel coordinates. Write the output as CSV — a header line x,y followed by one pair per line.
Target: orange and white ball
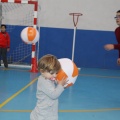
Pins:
x,y
29,35
69,71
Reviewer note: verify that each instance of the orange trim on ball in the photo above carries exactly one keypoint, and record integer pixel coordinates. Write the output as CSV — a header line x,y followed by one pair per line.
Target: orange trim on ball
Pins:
x,y
61,74
69,85
31,33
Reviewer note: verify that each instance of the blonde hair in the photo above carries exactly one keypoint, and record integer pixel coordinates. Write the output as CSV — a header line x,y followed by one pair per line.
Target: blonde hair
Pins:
x,y
49,63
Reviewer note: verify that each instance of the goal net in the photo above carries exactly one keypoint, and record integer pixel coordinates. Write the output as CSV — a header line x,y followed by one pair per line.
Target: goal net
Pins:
x,y
17,15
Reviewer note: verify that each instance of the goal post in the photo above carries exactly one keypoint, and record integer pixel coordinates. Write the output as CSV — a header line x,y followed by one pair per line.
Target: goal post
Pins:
x,y
18,14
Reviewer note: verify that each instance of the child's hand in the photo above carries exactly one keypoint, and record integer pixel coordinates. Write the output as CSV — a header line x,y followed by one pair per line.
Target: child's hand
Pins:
x,y
109,47
118,61
63,81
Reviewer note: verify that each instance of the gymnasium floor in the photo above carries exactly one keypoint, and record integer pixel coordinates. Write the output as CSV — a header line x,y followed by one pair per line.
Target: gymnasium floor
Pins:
x,y
95,95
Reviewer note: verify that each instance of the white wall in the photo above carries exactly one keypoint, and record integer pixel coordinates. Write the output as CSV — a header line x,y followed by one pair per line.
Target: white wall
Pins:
x,y
0,13
97,14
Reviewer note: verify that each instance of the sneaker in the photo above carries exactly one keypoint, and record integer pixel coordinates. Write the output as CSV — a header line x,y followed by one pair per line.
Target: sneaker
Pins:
x,y
6,66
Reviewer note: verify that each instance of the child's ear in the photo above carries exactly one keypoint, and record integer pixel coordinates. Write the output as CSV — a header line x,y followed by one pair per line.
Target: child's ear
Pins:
x,y
41,70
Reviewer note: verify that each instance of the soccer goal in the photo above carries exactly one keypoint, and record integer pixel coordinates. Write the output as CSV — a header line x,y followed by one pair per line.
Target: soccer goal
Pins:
x,y
18,14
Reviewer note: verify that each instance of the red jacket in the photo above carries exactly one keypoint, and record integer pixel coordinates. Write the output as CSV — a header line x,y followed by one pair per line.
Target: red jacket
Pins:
x,y
4,40
117,33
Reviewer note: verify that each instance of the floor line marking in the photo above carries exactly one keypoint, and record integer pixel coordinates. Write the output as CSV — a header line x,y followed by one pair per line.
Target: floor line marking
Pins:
x,y
73,111
99,76
17,93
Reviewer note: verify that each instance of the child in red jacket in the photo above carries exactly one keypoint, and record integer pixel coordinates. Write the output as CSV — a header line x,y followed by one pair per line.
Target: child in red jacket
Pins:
x,y
4,45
